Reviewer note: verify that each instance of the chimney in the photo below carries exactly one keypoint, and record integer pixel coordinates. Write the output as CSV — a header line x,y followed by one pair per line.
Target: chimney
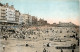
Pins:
x,y
12,6
7,4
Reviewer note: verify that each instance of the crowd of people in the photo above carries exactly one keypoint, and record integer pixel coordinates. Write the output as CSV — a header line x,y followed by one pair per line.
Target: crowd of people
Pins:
x,y
55,34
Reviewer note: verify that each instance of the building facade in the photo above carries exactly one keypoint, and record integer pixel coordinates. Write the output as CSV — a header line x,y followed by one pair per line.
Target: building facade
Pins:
x,y
42,22
25,19
65,24
17,15
34,20
3,13
8,13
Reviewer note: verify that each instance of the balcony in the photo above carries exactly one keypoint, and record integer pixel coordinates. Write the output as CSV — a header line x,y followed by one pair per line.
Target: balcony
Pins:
x,y
3,15
2,18
3,12
3,9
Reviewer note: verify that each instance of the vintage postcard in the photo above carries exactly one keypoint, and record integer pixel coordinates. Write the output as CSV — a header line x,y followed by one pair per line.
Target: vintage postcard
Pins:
x,y
39,26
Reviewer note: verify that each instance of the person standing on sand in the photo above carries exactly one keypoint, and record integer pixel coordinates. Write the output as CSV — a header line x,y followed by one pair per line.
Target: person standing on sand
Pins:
x,y
3,47
44,50
72,50
61,50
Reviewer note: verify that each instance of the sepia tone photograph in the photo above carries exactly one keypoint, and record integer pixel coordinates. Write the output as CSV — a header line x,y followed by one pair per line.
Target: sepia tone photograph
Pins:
x,y
39,26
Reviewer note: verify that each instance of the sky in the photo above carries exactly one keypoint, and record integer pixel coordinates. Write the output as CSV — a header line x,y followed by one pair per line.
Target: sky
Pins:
x,y
53,11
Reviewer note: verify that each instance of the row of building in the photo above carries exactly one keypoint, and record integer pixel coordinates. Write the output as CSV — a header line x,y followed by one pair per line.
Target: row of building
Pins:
x,y
9,15
64,24
32,20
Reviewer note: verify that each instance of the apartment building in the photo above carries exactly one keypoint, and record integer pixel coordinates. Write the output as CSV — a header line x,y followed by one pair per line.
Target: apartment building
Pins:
x,y
25,19
17,15
65,24
42,22
8,13
34,20
2,13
